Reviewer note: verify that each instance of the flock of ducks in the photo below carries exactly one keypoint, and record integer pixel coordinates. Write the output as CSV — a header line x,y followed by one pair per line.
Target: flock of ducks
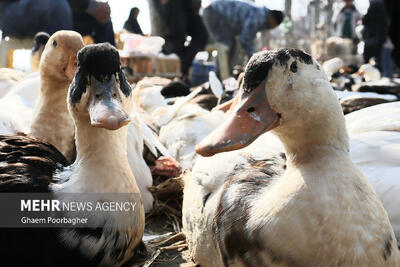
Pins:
x,y
282,178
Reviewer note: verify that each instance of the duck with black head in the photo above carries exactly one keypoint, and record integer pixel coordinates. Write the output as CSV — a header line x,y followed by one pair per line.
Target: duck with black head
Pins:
x,y
317,210
39,42
99,101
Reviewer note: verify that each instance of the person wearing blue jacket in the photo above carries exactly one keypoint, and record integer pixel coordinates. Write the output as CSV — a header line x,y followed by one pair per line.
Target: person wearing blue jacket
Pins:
x,y
229,18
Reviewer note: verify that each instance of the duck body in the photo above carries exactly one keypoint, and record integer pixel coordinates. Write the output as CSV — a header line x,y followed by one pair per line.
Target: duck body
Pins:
x,y
236,219
27,90
52,122
382,117
16,106
42,169
100,173
8,78
317,209
37,106
46,170
190,125
377,155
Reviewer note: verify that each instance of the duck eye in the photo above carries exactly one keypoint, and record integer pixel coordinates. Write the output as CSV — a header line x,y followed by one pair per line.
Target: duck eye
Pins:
x,y
54,43
293,67
114,95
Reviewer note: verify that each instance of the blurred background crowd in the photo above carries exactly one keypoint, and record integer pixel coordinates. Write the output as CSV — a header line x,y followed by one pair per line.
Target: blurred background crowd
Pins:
x,y
362,31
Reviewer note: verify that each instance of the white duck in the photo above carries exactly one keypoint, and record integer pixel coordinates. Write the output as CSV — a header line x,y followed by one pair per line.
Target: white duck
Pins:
x,y
332,65
99,103
320,211
26,90
183,125
383,117
147,93
369,72
50,119
9,77
374,148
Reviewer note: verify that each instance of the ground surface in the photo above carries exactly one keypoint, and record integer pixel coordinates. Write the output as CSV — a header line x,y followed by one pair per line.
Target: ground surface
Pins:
x,y
165,242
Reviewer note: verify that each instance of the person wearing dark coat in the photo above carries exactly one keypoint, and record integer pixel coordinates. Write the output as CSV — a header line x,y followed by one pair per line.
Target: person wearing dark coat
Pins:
x,y
393,15
25,18
181,19
92,18
375,31
131,24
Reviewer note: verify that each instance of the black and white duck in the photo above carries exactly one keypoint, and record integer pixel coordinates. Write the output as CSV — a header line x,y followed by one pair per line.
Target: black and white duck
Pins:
x,y
99,100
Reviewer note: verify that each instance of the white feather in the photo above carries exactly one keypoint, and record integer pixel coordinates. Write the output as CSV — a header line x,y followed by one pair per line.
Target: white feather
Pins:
x,y
383,117
215,84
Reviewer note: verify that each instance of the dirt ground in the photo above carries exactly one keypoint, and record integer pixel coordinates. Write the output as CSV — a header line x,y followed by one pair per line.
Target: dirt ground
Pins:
x,y
164,240
172,253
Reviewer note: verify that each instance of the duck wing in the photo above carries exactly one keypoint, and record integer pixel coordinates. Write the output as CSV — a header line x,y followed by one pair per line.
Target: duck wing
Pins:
x,y
28,164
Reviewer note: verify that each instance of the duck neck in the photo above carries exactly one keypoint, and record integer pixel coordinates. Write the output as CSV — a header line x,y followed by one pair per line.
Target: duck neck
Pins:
x,y
51,120
102,160
314,138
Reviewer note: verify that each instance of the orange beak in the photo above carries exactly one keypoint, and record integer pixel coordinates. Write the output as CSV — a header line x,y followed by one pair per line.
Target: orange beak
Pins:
x,y
252,117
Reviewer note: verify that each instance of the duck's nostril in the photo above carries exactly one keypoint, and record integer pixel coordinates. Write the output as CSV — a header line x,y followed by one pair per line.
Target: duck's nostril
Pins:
x,y
251,109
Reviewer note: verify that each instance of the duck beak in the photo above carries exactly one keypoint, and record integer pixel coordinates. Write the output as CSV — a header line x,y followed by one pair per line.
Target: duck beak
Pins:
x,y
251,117
71,67
105,107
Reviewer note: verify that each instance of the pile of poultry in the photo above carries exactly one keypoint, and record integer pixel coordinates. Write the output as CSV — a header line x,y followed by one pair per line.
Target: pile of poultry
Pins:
x,y
289,163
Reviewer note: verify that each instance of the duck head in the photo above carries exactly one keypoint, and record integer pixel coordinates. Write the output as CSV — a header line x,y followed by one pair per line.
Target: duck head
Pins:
x,y
39,42
284,91
99,94
58,59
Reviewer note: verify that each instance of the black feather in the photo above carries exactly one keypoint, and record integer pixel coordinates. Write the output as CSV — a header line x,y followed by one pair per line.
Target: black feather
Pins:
x,y
28,164
260,64
78,86
123,84
101,61
40,39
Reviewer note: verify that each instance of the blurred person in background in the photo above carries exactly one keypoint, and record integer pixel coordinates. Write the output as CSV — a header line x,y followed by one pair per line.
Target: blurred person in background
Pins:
x,y
181,19
229,18
24,18
20,20
131,24
91,17
375,31
347,20
393,16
